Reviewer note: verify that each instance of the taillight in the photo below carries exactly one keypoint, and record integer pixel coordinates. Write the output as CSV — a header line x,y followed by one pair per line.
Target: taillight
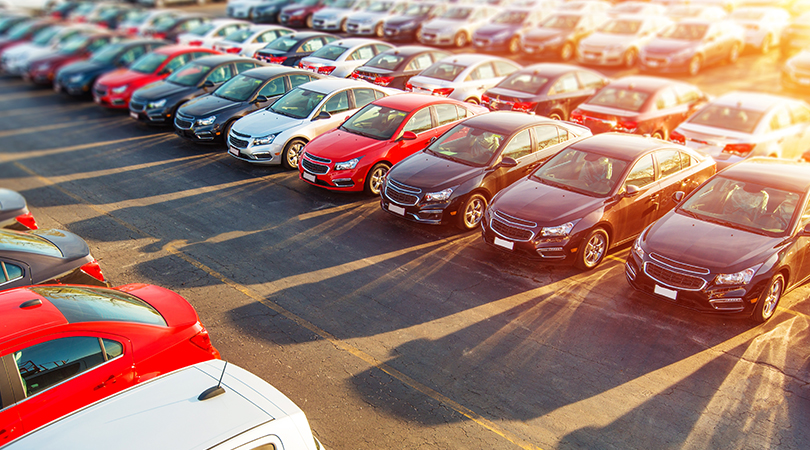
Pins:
x,y
300,65
103,24
94,270
677,138
524,106
576,116
159,35
738,149
485,98
277,59
326,70
233,50
383,81
408,86
203,340
27,220
628,126
132,30
444,92
355,75
195,43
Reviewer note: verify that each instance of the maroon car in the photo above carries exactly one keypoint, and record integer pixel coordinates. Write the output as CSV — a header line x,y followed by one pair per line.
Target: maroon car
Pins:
x,y
23,32
42,70
299,13
640,105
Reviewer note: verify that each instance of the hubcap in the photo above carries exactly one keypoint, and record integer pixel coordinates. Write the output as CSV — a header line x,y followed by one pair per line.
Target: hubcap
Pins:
x,y
376,179
594,250
774,293
292,155
474,212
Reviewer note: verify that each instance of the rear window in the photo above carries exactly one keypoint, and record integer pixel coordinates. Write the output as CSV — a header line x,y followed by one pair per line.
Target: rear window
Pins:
x,y
330,52
727,117
530,83
619,98
443,71
27,242
83,304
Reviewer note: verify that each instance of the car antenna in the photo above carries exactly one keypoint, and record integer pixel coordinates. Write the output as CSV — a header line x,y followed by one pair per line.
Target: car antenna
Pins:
x,y
213,391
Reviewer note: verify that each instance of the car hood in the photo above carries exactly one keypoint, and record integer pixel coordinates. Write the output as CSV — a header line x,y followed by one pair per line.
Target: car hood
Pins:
x,y
209,104
330,13
162,89
71,245
544,34
532,200
430,172
85,67
264,122
29,50
122,76
339,145
51,57
602,40
492,29
665,46
705,244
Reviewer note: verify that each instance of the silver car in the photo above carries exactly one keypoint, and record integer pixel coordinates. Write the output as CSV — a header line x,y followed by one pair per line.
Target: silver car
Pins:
x,y
740,125
334,17
277,134
456,25
763,25
619,40
370,21
340,58
462,77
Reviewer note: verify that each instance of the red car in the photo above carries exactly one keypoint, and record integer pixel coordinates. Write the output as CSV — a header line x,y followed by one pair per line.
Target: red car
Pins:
x,y
63,347
115,88
640,105
357,155
42,70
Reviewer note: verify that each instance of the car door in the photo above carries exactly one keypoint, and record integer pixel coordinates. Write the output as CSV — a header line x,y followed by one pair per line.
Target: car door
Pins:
x,y
632,213
420,122
10,392
673,176
520,149
481,78
564,93
14,273
337,104
801,245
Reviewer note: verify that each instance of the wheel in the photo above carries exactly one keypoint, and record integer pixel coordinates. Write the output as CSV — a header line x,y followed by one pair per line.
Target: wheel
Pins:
x,y
556,115
378,30
769,299
375,177
343,28
660,134
694,65
629,59
473,100
567,51
472,211
514,45
460,40
308,21
734,54
766,46
289,159
593,249
226,130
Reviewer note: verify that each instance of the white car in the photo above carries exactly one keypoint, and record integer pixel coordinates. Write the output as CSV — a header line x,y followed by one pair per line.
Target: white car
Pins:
x,y
173,411
763,25
456,25
247,41
15,59
335,17
371,20
637,8
340,58
619,40
463,77
207,34
277,134
242,9
585,6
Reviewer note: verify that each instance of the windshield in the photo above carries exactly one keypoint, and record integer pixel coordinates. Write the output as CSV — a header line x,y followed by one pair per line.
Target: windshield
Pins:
x,y
239,35
298,103
107,54
398,8
148,63
586,173
457,13
283,44
376,122
743,205
19,31
343,4
467,145
511,17
530,83
621,27
189,75
330,52
167,23
727,117
43,36
74,44
561,22
385,61
443,71
136,17
201,29
239,88
685,31
620,98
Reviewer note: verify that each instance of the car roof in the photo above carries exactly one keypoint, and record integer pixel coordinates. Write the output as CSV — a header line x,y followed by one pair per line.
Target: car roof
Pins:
x,y
154,414
306,35
553,69
18,321
220,59
643,83
409,102
330,84
354,42
752,101
778,173
505,122
268,72
622,146
408,50
468,59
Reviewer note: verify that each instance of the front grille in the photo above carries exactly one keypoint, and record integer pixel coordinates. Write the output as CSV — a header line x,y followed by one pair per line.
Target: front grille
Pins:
x,y
402,194
673,279
317,158
236,142
679,265
183,122
311,167
136,106
510,232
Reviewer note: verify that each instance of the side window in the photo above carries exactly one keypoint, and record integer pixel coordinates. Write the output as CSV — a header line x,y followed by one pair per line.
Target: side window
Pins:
x,y
243,66
380,48
11,272
446,113
669,162
175,63
564,135
224,31
311,45
362,53
220,74
419,122
49,363
268,36
463,112
131,55
483,72
804,220
801,115
567,83
519,146
781,119
666,99
337,103
687,161
686,94
378,95
504,69
546,135
112,349
643,173
273,88
590,80
421,62
298,80
363,97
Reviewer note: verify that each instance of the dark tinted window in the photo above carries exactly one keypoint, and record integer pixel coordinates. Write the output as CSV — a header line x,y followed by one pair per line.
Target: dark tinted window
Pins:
x,y
419,122
338,103
519,146
590,80
132,54
83,304
243,66
298,80
49,363
362,53
10,272
669,162
273,88
112,349
221,74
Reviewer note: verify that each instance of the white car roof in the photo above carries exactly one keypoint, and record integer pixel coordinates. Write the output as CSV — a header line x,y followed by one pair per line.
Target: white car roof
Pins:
x,y
469,59
327,85
356,42
753,101
166,413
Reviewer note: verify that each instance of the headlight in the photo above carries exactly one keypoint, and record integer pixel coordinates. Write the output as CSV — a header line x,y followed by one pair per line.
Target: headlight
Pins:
x,y
76,78
559,230
264,140
742,277
637,249
157,104
441,196
207,120
347,165
119,89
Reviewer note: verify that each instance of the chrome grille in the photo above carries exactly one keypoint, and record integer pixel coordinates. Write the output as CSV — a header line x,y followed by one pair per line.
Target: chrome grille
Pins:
x,y
183,122
401,194
241,135
673,279
311,167
511,227
236,142
317,158
679,265
136,105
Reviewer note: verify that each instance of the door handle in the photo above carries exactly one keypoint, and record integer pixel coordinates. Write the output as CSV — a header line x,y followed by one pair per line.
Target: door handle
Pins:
x,y
111,380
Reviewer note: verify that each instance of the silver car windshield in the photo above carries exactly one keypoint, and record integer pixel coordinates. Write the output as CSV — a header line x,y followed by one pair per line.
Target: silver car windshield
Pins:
x,y
298,103
728,118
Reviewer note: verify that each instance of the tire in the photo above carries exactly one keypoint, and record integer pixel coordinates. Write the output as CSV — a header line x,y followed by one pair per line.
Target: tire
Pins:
x,y
513,46
556,115
694,65
593,249
567,51
473,100
767,45
379,31
308,21
289,158
769,299
630,58
343,28
734,54
471,212
374,178
226,130
460,40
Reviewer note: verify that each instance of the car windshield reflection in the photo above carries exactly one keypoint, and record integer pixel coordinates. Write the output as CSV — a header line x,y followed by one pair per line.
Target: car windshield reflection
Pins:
x,y
239,88
467,145
376,122
298,103
585,173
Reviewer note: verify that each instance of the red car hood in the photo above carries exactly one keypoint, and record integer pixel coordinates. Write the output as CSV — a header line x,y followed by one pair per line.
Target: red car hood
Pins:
x,y
339,145
121,77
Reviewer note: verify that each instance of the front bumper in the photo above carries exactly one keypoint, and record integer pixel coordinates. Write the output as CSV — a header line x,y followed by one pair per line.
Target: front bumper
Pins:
x,y
320,172
363,29
105,97
186,127
535,49
326,24
434,38
663,64
522,241
157,116
601,58
242,148
410,206
79,88
398,34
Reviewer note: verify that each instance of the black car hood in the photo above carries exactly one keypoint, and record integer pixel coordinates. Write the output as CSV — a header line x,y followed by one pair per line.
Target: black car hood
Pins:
x,y
532,200
69,244
209,104
86,68
491,29
430,172
705,244
164,89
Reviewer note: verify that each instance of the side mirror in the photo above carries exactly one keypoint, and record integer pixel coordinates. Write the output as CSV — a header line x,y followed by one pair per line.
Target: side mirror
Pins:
x,y
678,196
507,161
631,190
261,99
407,136
208,84
322,115
434,139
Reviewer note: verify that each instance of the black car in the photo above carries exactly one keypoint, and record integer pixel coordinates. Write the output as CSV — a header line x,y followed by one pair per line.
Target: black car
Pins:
x,y
14,213
77,78
156,103
289,49
393,68
406,26
503,32
796,36
748,242
546,89
559,34
46,256
594,195
172,27
210,117
454,178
